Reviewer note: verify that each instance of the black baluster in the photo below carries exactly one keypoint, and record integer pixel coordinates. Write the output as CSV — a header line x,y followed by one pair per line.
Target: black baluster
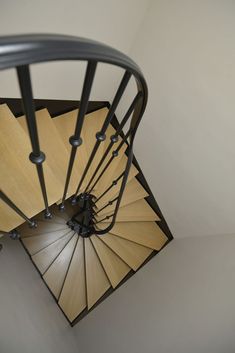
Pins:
x,y
11,204
106,205
76,140
114,138
123,184
109,188
100,136
114,155
36,156
103,219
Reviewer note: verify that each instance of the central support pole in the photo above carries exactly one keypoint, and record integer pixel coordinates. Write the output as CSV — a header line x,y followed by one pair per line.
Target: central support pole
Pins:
x,y
82,221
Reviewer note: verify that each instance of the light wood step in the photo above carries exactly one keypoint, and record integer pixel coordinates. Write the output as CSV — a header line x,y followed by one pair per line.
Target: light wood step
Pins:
x,y
57,215
138,211
39,242
67,214
144,233
110,195
96,280
55,275
65,125
109,132
134,191
8,218
42,228
46,256
110,174
18,177
55,219
57,156
107,180
131,253
114,267
93,123
73,296
53,185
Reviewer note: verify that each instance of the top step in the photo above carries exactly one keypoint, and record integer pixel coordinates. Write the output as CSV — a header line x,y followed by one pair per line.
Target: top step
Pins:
x,y
51,144
18,177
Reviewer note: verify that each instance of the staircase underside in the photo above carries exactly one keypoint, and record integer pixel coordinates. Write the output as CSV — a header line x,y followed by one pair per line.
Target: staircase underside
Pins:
x,y
79,271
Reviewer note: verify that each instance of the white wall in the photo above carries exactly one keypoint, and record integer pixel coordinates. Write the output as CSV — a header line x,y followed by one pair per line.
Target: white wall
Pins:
x,y
29,321
186,142
182,301
112,22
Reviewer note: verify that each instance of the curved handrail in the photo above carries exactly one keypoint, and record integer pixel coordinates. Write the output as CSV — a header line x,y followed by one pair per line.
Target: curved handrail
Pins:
x,y
20,50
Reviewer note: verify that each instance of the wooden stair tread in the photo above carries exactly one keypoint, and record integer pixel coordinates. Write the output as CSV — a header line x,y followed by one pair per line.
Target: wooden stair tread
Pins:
x,y
131,253
8,218
54,220
110,173
96,279
110,195
54,187
65,124
57,156
46,256
42,228
145,233
119,169
93,123
73,296
64,215
138,211
114,267
55,275
122,166
134,191
109,132
36,243
18,177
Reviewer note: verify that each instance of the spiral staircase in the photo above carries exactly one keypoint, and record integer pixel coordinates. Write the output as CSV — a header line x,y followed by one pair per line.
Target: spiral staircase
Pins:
x,y
70,187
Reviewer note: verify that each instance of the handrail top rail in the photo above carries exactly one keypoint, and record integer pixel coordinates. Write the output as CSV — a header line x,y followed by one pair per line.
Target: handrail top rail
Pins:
x,y
26,49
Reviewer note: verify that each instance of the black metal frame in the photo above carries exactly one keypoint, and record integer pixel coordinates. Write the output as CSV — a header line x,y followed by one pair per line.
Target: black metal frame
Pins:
x,y
21,51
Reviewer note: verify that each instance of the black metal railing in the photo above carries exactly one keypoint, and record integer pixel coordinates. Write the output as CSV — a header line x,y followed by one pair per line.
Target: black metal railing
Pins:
x,y
20,52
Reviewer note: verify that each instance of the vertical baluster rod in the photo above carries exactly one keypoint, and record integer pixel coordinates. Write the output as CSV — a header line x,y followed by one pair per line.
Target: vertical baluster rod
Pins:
x,y
76,140
100,136
106,205
114,138
114,154
36,156
103,219
109,188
